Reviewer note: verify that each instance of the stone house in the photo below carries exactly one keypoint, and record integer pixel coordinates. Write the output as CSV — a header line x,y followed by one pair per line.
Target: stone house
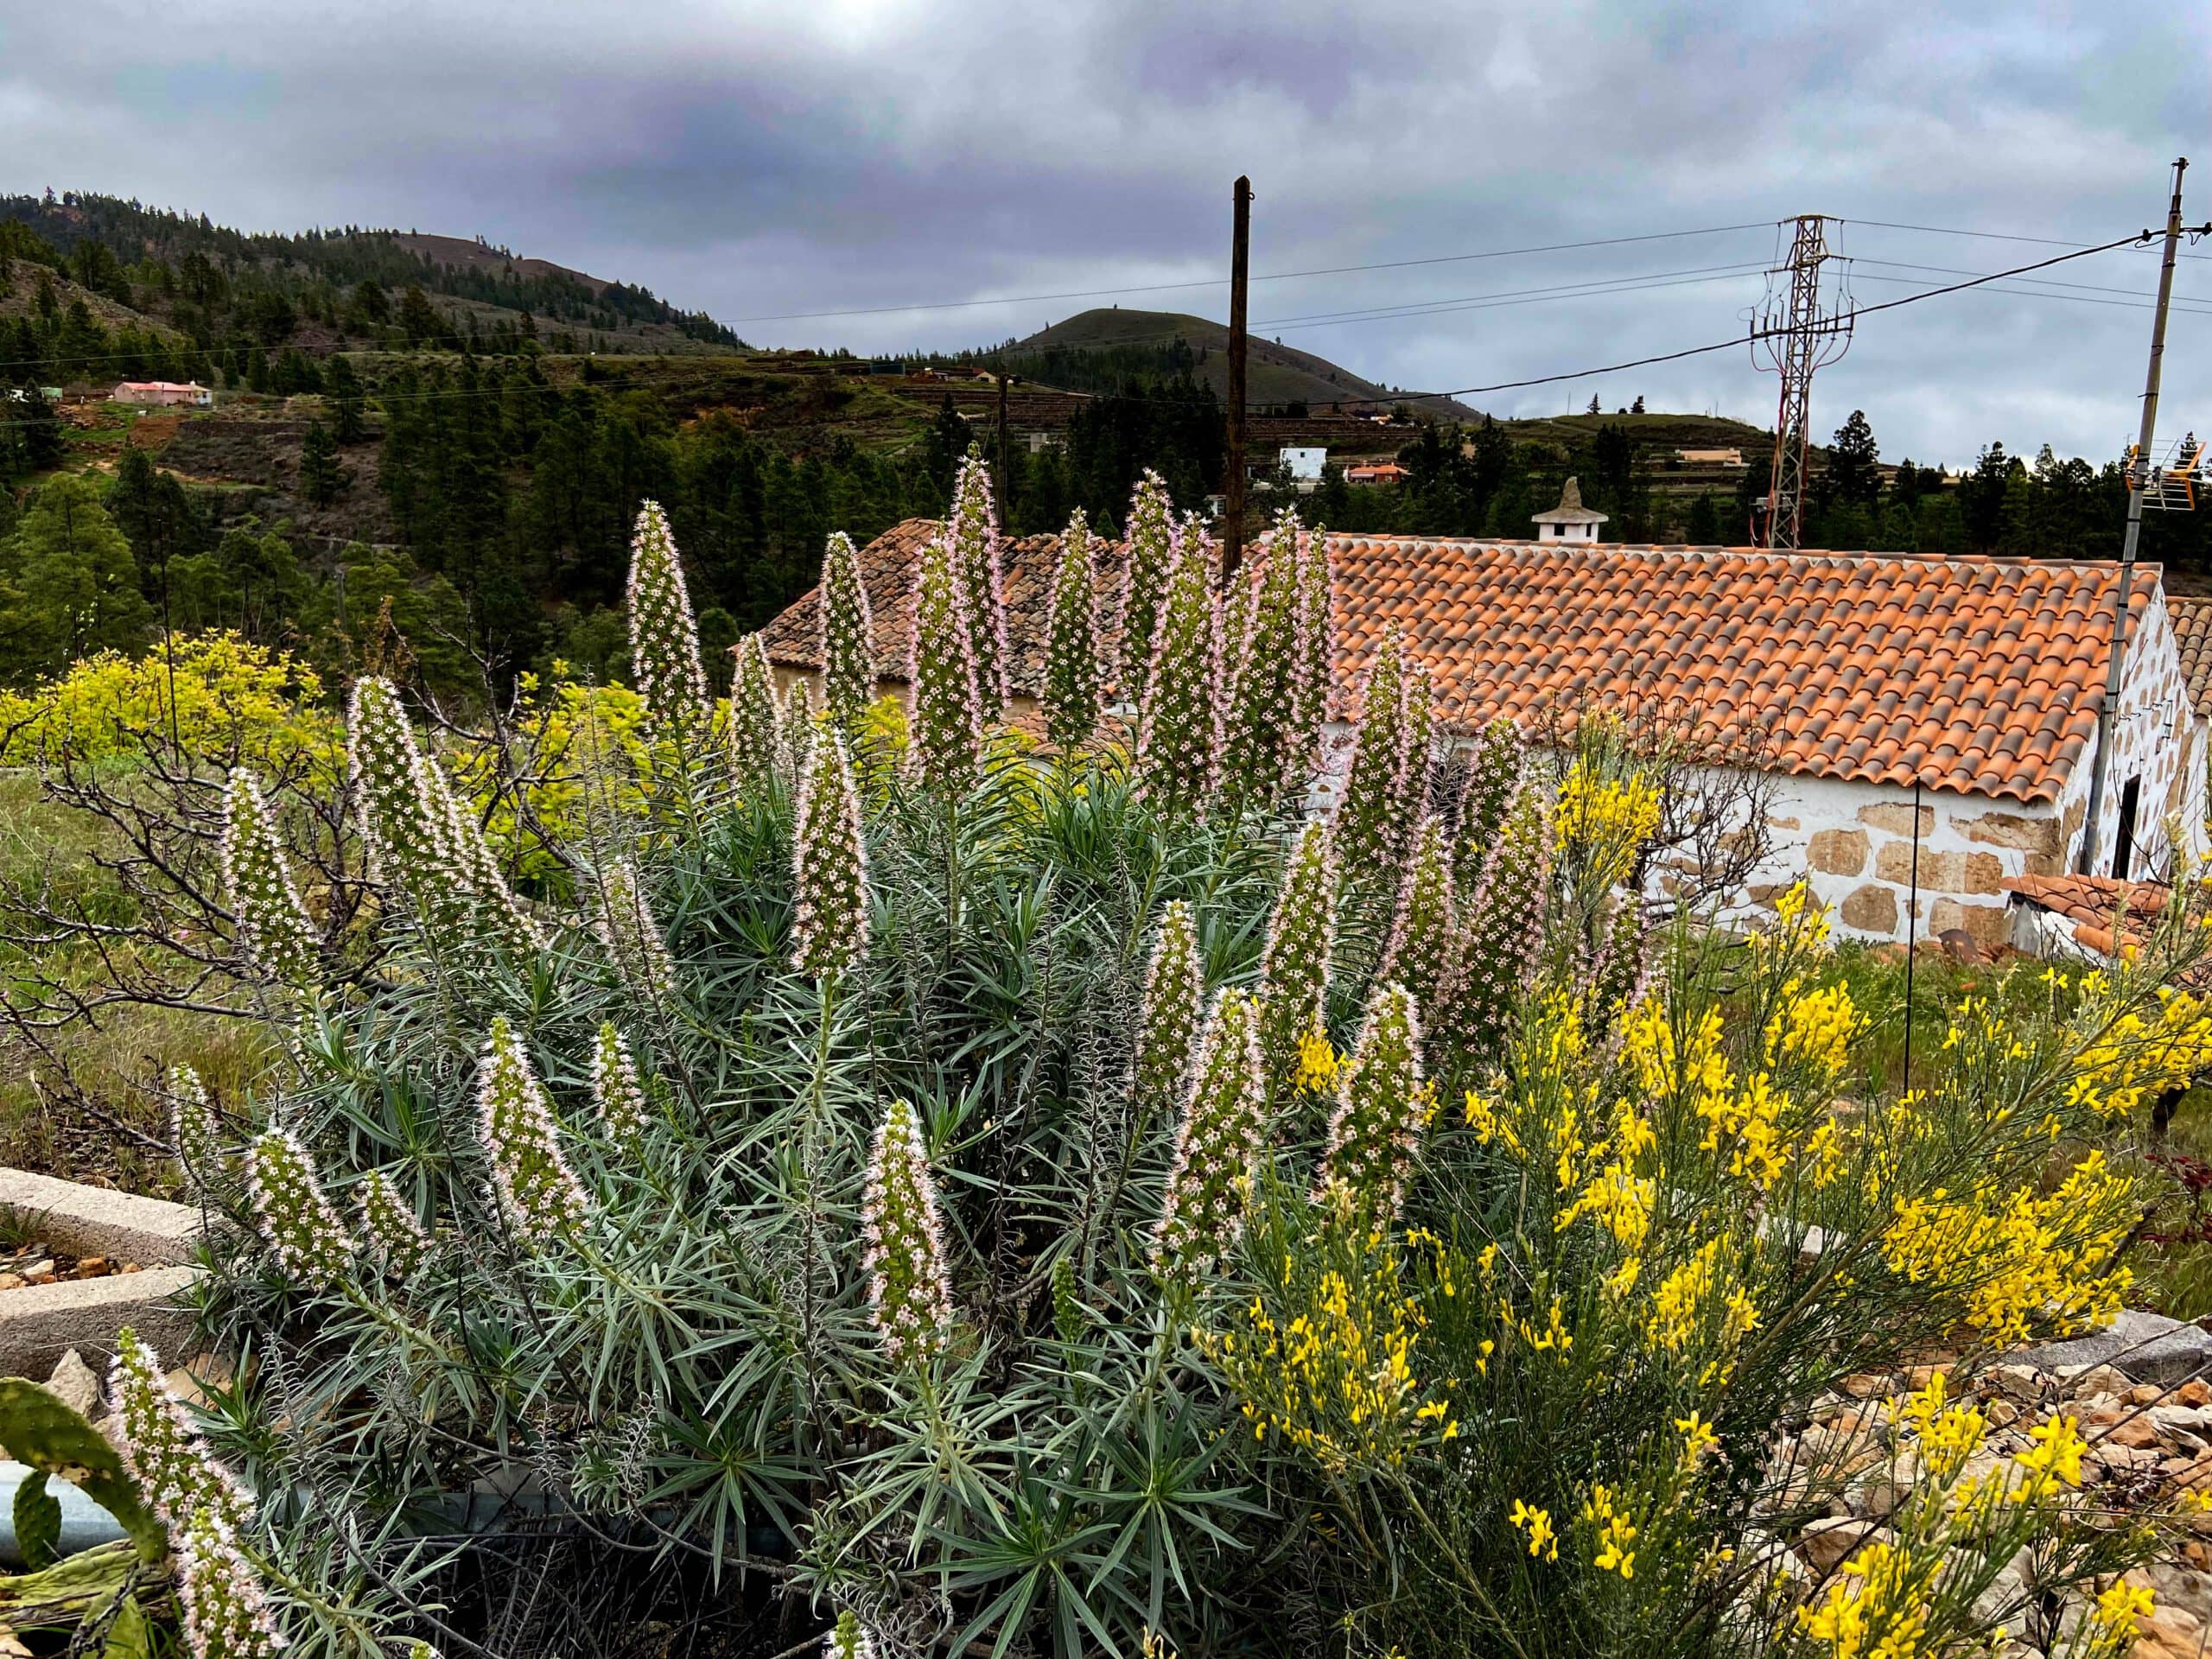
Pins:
x,y
1892,699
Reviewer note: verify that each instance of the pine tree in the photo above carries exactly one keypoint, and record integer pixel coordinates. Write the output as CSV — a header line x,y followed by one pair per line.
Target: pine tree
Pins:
x,y
1382,1108
1174,1000
1209,1179
848,665
947,734
1074,675
1422,954
910,1287
1178,726
274,933
973,529
755,730
830,919
663,635
1295,964
1151,562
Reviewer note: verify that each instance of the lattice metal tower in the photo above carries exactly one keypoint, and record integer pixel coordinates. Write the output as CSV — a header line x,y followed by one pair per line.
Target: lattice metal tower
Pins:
x,y
1805,323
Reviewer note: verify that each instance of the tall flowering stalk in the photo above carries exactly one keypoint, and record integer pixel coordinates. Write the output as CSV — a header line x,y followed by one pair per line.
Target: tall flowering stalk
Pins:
x,y
973,532
796,728
1174,1001
1423,952
910,1287
402,826
297,1221
1295,964
947,728
537,1191
830,921
847,662
1075,674
274,931
394,1233
1209,1181
1178,726
755,732
226,1609
176,1475
1266,752
1317,641
1504,925
1493,775
1387,784
1382,1109
499,911
663,635
616,1088
633,938
1151,562
194,1129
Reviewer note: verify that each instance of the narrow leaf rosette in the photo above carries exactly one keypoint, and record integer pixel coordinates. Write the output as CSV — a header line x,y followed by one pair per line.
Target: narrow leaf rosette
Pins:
x,y
1295,964
1504,925
973,532
633,937
1074,675
1493,775
274,931
1178,728
1209,1181
302,1230
947,728
226,1609
176,1475
829,920
910,1287
848,633
1382,1109
194,1129
755,729
1266,755
616,1088
1174,1001
394,1235
1144,597
538,1192
1423,952
663,634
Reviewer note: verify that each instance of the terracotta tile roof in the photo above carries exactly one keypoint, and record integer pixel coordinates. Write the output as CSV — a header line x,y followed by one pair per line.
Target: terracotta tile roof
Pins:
x,y
2192,621
2093,904
1976,675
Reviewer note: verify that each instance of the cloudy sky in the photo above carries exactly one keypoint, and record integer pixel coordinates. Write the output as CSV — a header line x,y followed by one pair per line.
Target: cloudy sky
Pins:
x,y
893,160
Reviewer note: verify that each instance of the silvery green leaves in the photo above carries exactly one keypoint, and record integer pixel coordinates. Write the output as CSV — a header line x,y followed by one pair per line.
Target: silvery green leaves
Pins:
x,y
274,931
830,919
947,725
1295,964
1074,675
663,635
1152,562
1382,1109
1210,1180
295,1220
910,1288
1178,723
537,1191
847,629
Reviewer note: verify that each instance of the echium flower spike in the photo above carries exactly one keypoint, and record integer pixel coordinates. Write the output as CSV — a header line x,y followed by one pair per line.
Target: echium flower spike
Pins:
x,y
1174,1001
663,635
947,724
499,911
1367,819
394,1233
274,933
196,1131
1295,964
1178,726
633,937
829,923
796,728
538,1192
973,531
301,1229
176,1475
226,1609
1210,1180
1493,774
755,730
1266,755
1074,673
402,825
847,629
848,1639
1422,954
617,1089
910,1287
1503,925
1152,562
1382,1108
1309,681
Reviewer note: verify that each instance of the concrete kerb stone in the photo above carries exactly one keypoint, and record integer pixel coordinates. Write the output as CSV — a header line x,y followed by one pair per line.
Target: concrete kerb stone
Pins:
x,y
94,1221
41,1323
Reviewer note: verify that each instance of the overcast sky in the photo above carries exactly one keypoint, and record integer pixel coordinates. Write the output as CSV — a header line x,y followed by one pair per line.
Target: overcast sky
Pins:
x,y
819,156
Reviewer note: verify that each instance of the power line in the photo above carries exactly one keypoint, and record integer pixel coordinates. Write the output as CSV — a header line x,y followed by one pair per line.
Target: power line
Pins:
x,y
1986,236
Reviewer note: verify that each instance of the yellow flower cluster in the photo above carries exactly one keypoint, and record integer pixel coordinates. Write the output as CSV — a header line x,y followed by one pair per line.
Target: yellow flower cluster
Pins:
x,y
1614,1530
1537,1523
1606,819
1878,1608
1319,1066
2135,1058
2020,1259
1815,1027
1700,1299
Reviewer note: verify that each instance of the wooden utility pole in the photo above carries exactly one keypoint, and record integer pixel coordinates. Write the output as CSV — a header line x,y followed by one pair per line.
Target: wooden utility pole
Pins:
x,y
1240,266
1006,479
2138,478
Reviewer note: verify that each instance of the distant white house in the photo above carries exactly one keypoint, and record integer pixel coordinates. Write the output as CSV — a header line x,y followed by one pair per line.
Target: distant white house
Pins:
x,y
161,394
1570,521
1304,464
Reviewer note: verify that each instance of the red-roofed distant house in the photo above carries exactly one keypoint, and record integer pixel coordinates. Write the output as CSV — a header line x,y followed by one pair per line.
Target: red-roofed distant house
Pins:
x,y
1860,674
162,394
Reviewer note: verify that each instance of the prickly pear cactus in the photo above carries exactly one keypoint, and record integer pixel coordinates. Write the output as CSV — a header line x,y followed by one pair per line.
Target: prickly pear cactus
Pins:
x,y
39,1429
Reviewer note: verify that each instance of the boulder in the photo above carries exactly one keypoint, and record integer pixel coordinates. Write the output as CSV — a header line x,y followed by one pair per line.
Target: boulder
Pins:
x,y
2147,1347
75,1385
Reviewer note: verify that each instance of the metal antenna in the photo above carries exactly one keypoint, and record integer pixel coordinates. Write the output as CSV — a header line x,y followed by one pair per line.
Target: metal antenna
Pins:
x,y
1800,330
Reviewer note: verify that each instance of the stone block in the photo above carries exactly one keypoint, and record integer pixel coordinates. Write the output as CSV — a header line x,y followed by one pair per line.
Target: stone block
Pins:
x,y
1872,909
2017,830
2148,1347
1938,872
1837,852
40,1323
1895,816
94,1221
1985,873
1986,924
